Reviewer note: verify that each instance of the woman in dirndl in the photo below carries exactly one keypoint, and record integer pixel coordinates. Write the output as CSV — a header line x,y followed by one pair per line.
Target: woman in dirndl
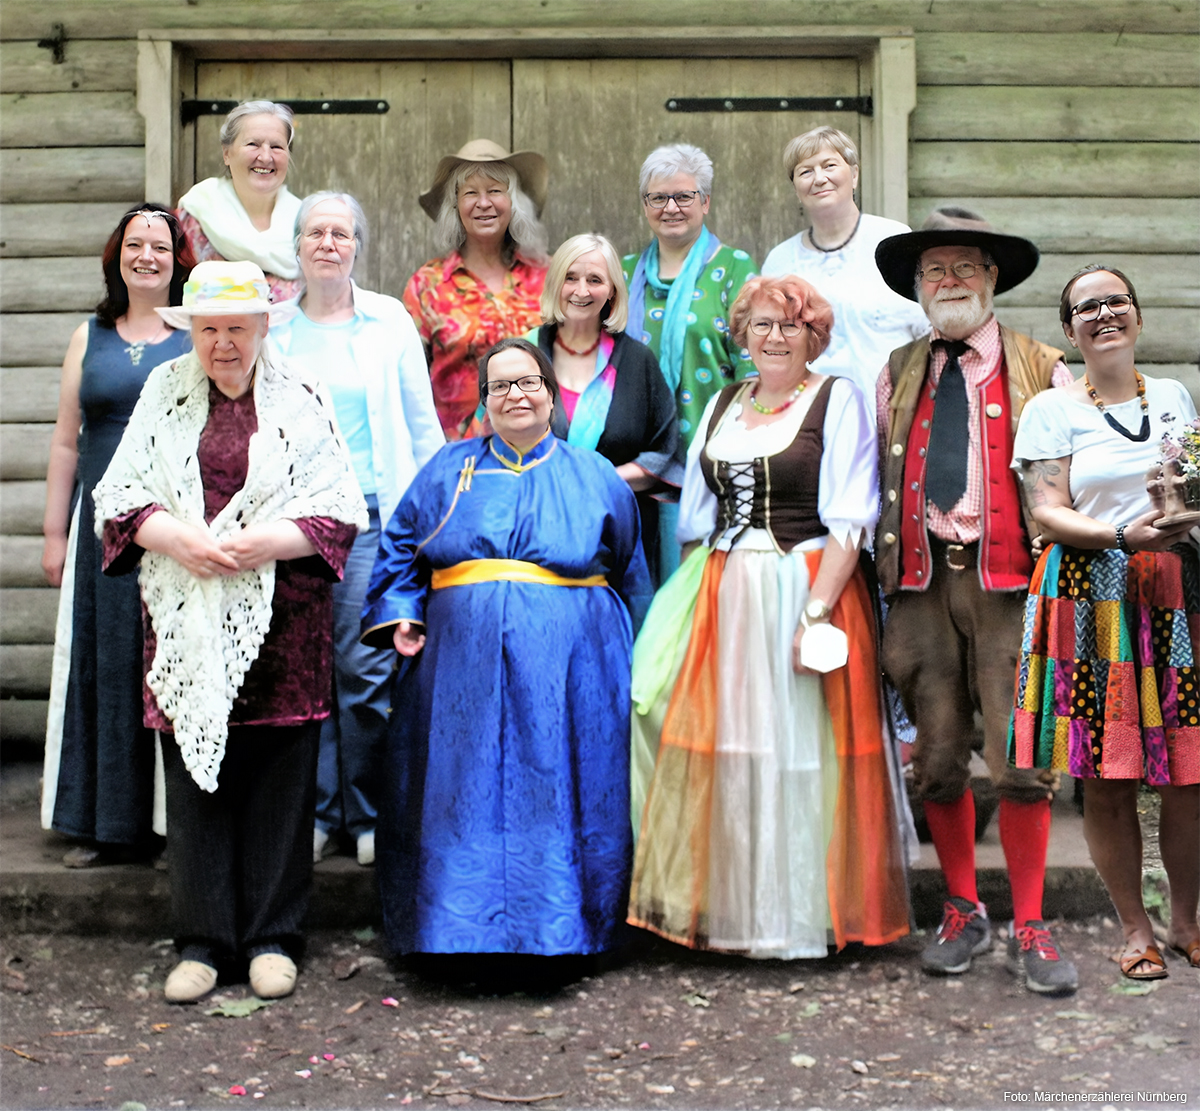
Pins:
x,y
1107,686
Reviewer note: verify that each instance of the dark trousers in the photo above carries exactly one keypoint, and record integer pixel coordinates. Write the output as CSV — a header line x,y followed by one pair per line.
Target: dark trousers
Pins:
x,y
952,650
241,858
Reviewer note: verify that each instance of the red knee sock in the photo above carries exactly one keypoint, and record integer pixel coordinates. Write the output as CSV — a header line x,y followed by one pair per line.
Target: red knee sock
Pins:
x,y
952,826
1024,835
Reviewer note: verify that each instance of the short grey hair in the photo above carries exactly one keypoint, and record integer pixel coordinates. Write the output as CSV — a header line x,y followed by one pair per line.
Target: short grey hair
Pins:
x,y
233,122
677,158
361,230
525,233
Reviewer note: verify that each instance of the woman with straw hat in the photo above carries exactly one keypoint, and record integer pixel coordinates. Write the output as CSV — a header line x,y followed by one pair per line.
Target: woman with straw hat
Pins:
x,y
485,203
232,491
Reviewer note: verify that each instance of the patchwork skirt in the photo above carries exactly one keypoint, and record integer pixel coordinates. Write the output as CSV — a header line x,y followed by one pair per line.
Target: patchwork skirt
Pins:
x,y
1108,685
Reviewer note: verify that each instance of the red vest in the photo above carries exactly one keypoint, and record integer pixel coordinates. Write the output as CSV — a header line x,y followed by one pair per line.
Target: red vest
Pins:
x,y
1004,559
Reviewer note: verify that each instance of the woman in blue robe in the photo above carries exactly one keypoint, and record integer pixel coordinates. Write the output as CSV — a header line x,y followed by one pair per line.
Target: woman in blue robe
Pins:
x,y
511,577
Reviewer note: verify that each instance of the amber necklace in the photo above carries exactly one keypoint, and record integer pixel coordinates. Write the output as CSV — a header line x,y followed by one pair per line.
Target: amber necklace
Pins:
x,y
572,351
1144,432
766,412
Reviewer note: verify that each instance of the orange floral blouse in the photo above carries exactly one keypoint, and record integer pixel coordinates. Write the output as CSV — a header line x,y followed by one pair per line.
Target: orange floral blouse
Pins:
x,y
459,318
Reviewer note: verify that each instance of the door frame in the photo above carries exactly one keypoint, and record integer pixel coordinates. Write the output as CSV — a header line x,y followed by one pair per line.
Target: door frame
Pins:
x,y
886,55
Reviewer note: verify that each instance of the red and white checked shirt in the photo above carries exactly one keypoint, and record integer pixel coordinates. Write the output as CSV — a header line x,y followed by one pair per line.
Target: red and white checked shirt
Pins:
x,y
961,524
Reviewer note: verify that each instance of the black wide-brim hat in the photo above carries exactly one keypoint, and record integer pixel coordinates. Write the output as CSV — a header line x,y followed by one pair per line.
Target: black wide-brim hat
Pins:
x,y
898,256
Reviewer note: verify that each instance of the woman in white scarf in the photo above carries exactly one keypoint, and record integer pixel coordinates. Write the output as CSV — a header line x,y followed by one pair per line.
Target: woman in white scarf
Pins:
x,y
233,490
248,216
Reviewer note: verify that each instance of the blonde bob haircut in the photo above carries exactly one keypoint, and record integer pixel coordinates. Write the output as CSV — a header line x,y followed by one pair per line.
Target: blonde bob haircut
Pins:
x,y
615,313
813,142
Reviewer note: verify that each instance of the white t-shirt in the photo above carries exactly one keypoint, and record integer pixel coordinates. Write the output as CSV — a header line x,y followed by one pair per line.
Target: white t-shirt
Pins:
x,y
869,320
1107,470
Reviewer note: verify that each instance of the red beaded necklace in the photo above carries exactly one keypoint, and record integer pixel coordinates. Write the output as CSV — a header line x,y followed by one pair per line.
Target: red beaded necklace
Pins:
x,y
572,351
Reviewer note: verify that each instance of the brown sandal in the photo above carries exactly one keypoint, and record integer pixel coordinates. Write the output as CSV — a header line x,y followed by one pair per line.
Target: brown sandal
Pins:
x,y
1151,956
1189,952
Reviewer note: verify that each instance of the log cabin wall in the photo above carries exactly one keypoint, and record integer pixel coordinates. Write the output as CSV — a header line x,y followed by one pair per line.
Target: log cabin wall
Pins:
x,y
1077,125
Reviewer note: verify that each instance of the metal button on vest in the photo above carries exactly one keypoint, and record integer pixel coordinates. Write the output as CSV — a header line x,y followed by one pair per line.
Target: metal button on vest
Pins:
x,y
924,424
994,410
897,449
891,495
889,538
916,485
921,452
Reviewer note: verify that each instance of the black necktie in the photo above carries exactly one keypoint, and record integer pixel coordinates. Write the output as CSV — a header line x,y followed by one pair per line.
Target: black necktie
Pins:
x,y
946,458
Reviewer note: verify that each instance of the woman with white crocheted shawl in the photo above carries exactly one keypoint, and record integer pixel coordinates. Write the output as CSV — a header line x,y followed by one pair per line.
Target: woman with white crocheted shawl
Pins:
x,y
234,494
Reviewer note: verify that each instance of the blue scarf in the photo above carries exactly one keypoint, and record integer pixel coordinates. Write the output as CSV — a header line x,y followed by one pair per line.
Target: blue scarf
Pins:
x,y
591,410
679,296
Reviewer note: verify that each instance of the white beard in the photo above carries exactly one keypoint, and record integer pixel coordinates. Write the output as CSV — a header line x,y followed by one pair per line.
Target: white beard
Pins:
x,y
949,312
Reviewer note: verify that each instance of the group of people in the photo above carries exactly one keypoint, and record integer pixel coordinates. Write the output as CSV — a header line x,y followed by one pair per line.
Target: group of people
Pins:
x,y
613,653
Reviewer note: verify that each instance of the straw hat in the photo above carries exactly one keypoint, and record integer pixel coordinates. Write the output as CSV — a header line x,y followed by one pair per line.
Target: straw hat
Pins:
x,y
220,288
529,166
898,256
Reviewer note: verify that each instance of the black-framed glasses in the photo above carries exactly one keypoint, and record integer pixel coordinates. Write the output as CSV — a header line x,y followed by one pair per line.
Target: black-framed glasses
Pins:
x,y
961,270
528,383
1118,304
682,200
786,327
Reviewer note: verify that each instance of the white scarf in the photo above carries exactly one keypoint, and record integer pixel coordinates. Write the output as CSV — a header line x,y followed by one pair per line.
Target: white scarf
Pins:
x,y
215,203
209,631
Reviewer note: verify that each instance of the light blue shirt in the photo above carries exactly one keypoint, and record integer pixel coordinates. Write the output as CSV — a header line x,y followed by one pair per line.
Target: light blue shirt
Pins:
x,y
390,362
324,351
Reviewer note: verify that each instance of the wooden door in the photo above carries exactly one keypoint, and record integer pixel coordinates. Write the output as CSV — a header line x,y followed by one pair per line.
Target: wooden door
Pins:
x,y
596,120
385,161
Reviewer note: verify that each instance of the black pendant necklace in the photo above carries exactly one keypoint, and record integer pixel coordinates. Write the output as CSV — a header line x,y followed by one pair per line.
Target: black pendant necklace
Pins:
x,y
830,250
1144,433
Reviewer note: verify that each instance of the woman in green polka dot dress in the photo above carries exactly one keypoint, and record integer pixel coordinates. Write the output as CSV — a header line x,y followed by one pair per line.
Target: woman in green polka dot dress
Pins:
x,y
680,290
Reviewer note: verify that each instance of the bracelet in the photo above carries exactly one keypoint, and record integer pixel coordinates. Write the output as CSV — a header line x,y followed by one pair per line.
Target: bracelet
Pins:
x,y
1121,544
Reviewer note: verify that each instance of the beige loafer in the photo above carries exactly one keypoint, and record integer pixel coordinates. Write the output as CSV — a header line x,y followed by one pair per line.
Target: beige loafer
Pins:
x,y
272,975
189,981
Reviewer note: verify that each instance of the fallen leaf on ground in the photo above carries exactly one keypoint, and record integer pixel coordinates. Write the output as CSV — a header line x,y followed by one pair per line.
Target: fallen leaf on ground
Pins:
x,y
859,1067
1130,987
803,1061
239,1008
696,999
346,967
811,1009
661,1089
501,1097
354,1007
117,1062
20,1053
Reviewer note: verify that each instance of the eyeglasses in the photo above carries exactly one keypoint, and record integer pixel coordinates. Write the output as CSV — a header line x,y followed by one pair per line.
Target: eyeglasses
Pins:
x,y
1118,304
530,383
786,327
682,200
963,270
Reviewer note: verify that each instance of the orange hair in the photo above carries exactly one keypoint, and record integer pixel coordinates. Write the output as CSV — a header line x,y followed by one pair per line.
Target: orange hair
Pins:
x,y
796,297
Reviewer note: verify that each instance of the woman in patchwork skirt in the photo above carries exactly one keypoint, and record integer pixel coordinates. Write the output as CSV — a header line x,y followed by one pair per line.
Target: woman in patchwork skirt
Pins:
x,y
1108,688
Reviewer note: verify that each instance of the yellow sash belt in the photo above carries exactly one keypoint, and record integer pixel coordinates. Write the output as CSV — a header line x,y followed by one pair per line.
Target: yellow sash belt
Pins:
x,y
505,570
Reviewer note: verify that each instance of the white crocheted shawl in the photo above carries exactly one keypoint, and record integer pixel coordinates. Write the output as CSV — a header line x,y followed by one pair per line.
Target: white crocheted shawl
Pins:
x,y
209,631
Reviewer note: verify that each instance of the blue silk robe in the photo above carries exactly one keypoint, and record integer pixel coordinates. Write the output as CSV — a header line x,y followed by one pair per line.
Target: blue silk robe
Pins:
x,y
504,826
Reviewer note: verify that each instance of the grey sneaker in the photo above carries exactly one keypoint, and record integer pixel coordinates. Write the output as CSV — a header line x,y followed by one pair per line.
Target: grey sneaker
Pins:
x,y
1034,956
963,934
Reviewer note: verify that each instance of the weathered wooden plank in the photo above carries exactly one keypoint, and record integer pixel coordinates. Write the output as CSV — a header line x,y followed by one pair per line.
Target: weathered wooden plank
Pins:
x,y
21,561
70,120
23,721
1053,112
28,616
89,66
36,339
1170,335
980,58
25,670
1149,225
29,394
72,174
24,451
21,506
27,19
41,230
36,284
1029,169
1161,281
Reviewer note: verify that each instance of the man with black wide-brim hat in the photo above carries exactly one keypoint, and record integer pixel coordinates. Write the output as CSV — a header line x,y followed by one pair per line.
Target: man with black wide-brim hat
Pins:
x,y
954,561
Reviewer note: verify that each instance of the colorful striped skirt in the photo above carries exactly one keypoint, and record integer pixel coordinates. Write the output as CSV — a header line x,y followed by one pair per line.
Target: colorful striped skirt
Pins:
x,y
1108,686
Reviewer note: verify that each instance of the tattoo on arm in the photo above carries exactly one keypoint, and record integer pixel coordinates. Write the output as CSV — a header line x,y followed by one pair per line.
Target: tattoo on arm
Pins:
x,y
1038,474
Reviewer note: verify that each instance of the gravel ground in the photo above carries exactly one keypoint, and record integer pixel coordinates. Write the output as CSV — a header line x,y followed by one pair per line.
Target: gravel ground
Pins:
x,y
84,1025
